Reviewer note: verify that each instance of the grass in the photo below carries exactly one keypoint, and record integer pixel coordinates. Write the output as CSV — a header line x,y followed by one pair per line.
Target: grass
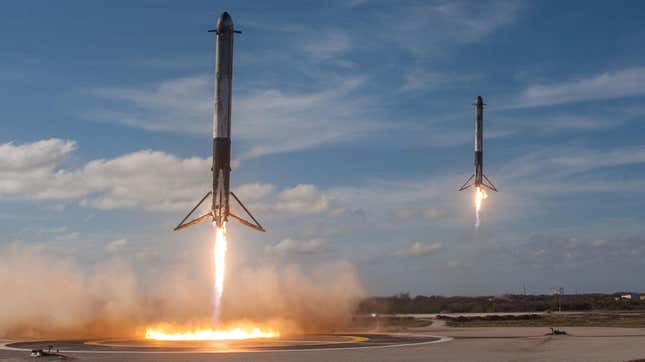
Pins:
x,y
390,321
592,319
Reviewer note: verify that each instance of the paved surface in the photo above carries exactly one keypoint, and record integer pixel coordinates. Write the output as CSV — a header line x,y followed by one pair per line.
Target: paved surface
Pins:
x,y
289,343
470,344
518,332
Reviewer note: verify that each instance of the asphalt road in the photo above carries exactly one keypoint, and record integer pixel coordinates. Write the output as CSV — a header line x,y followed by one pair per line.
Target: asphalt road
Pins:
x,y
470,344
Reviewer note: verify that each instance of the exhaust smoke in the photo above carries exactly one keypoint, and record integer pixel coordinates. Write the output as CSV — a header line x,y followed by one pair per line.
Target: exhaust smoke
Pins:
x,y
48,295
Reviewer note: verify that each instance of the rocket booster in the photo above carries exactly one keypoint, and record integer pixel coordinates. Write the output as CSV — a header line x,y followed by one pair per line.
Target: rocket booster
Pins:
x,y
221,168
478,179
222,118
479,139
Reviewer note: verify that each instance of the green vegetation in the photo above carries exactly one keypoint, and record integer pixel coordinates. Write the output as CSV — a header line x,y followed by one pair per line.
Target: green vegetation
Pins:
x,y
594,319
389,321
405,304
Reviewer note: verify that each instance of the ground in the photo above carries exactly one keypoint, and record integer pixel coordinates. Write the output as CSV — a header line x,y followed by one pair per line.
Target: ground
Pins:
x,y
413,344
578,319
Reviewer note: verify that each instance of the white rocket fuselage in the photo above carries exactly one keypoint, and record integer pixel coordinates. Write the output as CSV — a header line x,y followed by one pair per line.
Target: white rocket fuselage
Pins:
x,y
221,168
478,178
479,141
222,119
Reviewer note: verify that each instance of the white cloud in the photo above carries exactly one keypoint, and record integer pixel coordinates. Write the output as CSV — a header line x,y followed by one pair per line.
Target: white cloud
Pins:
x,y
254,191
427,31
598,119
329,44
622,83
291,246
68,236
147,179
595,159
36,155
275,121
578,123
381,196
565,161
353,3
412,213
420,78
420,249
429,28
300,200
181,104
272,120
31,168
116,245
553,251
303,200
144,180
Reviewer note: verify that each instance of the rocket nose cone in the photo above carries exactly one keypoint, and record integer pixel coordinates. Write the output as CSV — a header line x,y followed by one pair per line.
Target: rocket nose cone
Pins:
x,y
224,22
479,100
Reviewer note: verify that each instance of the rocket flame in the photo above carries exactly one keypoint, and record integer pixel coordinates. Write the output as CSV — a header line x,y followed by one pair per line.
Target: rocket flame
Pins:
x,y
240,331
161,334
480,194
219,254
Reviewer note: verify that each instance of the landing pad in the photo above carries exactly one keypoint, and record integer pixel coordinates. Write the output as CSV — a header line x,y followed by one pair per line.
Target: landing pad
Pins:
x,y
285,343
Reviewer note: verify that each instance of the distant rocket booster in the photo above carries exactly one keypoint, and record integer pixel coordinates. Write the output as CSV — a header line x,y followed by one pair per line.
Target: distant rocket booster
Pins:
x,y
220,209
479,178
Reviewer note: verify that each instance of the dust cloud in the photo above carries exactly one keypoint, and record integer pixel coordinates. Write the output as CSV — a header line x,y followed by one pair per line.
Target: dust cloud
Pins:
x,y
48,296
323,299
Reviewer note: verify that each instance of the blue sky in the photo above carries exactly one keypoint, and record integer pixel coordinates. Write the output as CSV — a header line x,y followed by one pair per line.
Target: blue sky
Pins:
x,y
352,130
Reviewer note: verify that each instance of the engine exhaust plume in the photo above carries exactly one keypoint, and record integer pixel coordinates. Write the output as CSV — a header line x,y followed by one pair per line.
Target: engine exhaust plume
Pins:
x,y
480,194
219,253
168,332
236,333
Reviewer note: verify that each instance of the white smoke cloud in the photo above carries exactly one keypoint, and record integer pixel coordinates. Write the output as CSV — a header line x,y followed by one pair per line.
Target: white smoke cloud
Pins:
x,y
293,294
45,295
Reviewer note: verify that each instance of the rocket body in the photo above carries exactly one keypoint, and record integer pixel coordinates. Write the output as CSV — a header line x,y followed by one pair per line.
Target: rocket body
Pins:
x,y
222,119
220,210
479,140
478,179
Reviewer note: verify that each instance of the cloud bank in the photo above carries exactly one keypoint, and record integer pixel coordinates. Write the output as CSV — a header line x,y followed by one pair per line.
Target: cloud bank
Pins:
x,y
290,246
273,120
143,180
610,85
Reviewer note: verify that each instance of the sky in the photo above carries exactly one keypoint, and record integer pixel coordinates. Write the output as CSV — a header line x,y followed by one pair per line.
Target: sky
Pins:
x,y
352,131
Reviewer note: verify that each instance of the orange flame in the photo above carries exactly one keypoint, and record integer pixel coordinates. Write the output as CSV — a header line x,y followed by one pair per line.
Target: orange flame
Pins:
x,y
237,333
